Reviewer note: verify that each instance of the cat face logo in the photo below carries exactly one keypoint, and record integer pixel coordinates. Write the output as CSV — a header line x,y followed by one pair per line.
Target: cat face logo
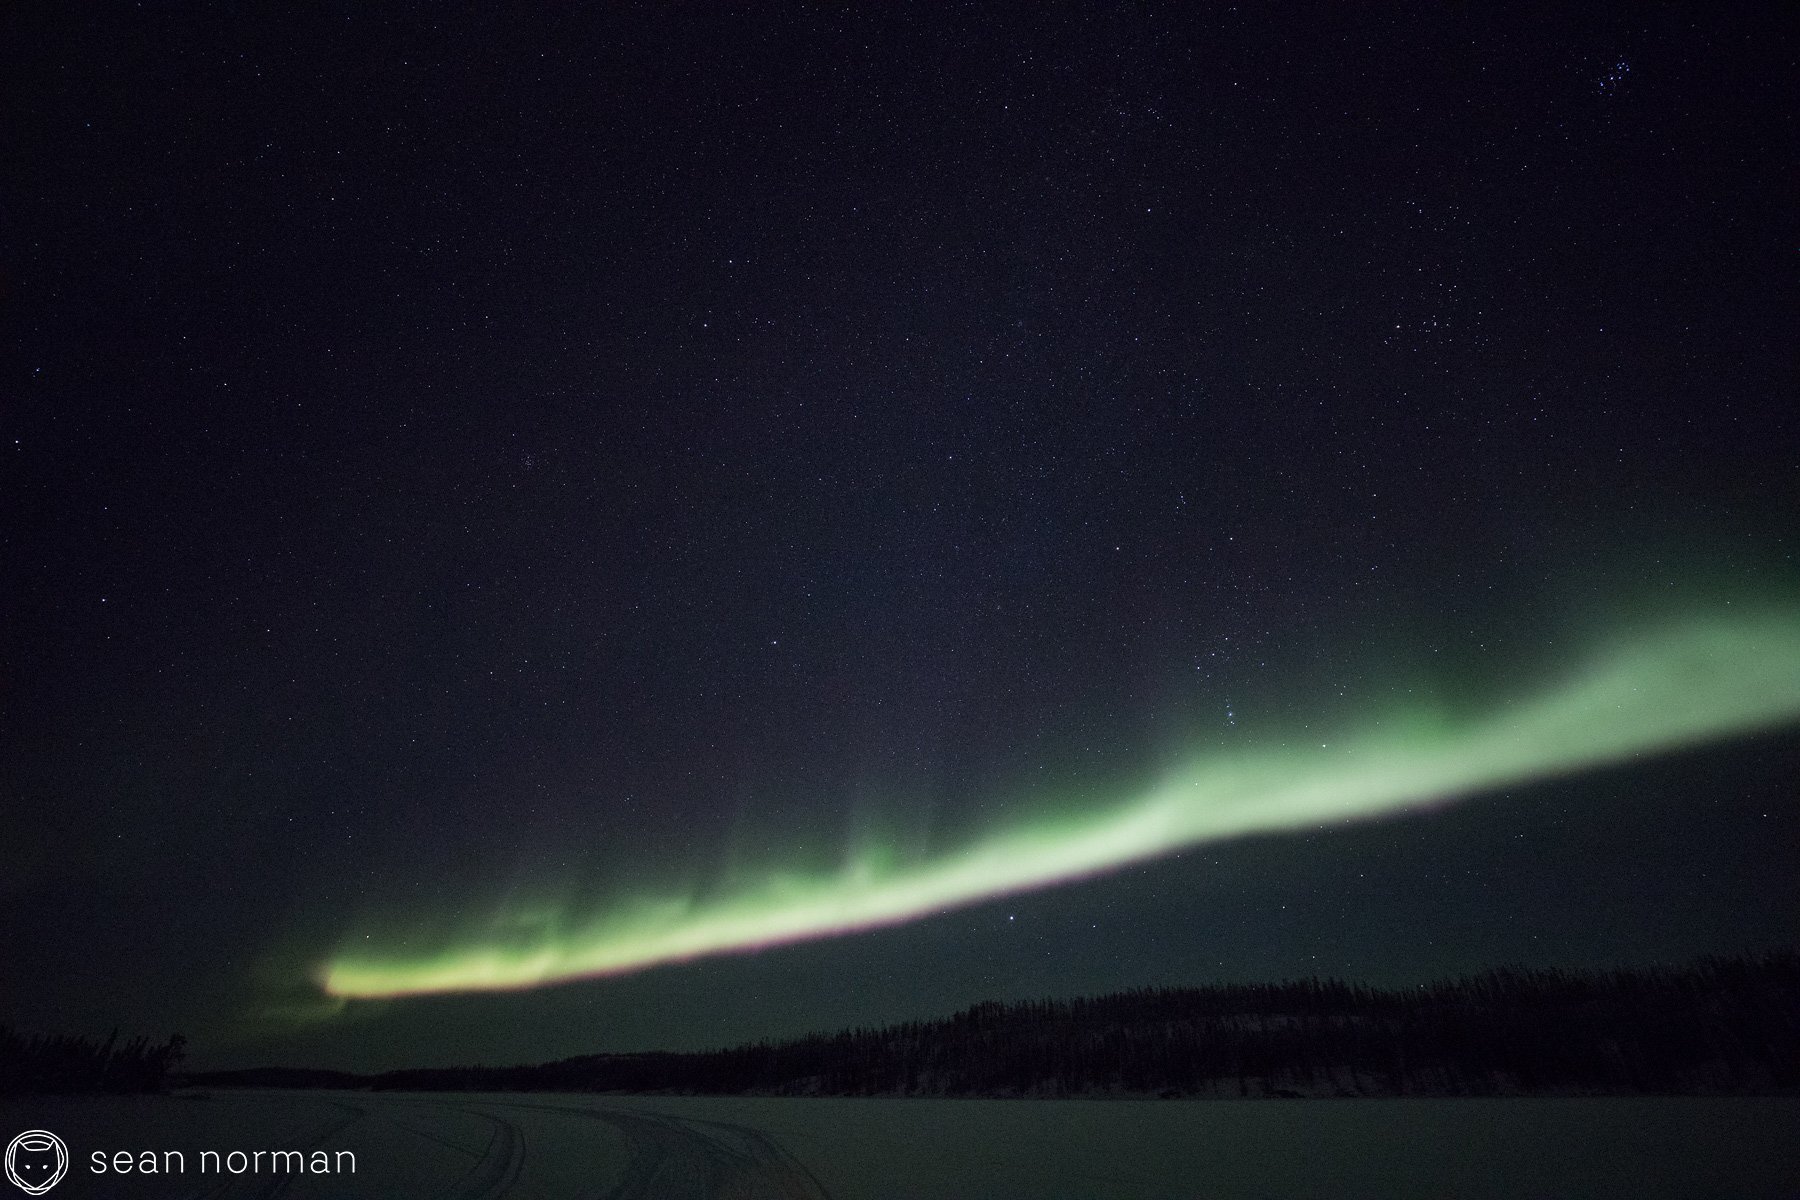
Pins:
x,y
36,1161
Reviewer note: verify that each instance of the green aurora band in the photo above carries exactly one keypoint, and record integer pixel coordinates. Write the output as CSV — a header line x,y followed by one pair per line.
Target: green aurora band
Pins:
x,y
1682,685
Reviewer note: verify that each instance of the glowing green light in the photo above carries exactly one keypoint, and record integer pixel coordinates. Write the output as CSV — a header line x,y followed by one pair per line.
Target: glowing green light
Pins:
x,y
1686,684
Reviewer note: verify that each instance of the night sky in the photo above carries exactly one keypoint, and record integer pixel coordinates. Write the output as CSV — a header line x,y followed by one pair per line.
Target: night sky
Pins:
x,y
478,478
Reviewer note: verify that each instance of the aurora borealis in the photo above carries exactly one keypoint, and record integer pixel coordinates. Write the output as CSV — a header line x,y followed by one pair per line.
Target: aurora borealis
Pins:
x,y
642,526
1702,680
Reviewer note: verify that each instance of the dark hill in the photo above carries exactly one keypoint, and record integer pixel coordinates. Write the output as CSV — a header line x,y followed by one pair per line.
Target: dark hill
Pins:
x,y
1717,1026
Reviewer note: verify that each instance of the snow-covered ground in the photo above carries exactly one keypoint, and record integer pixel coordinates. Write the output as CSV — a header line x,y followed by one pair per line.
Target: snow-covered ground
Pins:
x,y
474,1147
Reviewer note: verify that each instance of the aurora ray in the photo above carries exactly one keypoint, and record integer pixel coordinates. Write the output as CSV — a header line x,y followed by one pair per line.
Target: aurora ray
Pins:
x,y
1682,685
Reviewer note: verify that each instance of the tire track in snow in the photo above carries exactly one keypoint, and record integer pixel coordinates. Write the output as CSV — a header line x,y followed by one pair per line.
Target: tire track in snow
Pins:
x,y
672,1156
499,1166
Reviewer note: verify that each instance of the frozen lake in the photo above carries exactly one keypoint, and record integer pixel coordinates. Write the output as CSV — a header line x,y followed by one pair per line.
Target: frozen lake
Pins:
x,y
472,1147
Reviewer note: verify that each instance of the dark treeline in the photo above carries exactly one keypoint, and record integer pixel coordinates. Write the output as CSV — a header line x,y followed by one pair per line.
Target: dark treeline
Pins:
x,y
1722,1025
63,1063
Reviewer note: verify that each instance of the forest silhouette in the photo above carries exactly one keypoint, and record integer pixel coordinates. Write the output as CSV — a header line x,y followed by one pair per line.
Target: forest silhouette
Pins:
x,y
66,1063
1717,1026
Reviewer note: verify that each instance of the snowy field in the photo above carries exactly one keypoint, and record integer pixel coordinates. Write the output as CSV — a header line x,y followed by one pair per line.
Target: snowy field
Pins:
x,y
472,1147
